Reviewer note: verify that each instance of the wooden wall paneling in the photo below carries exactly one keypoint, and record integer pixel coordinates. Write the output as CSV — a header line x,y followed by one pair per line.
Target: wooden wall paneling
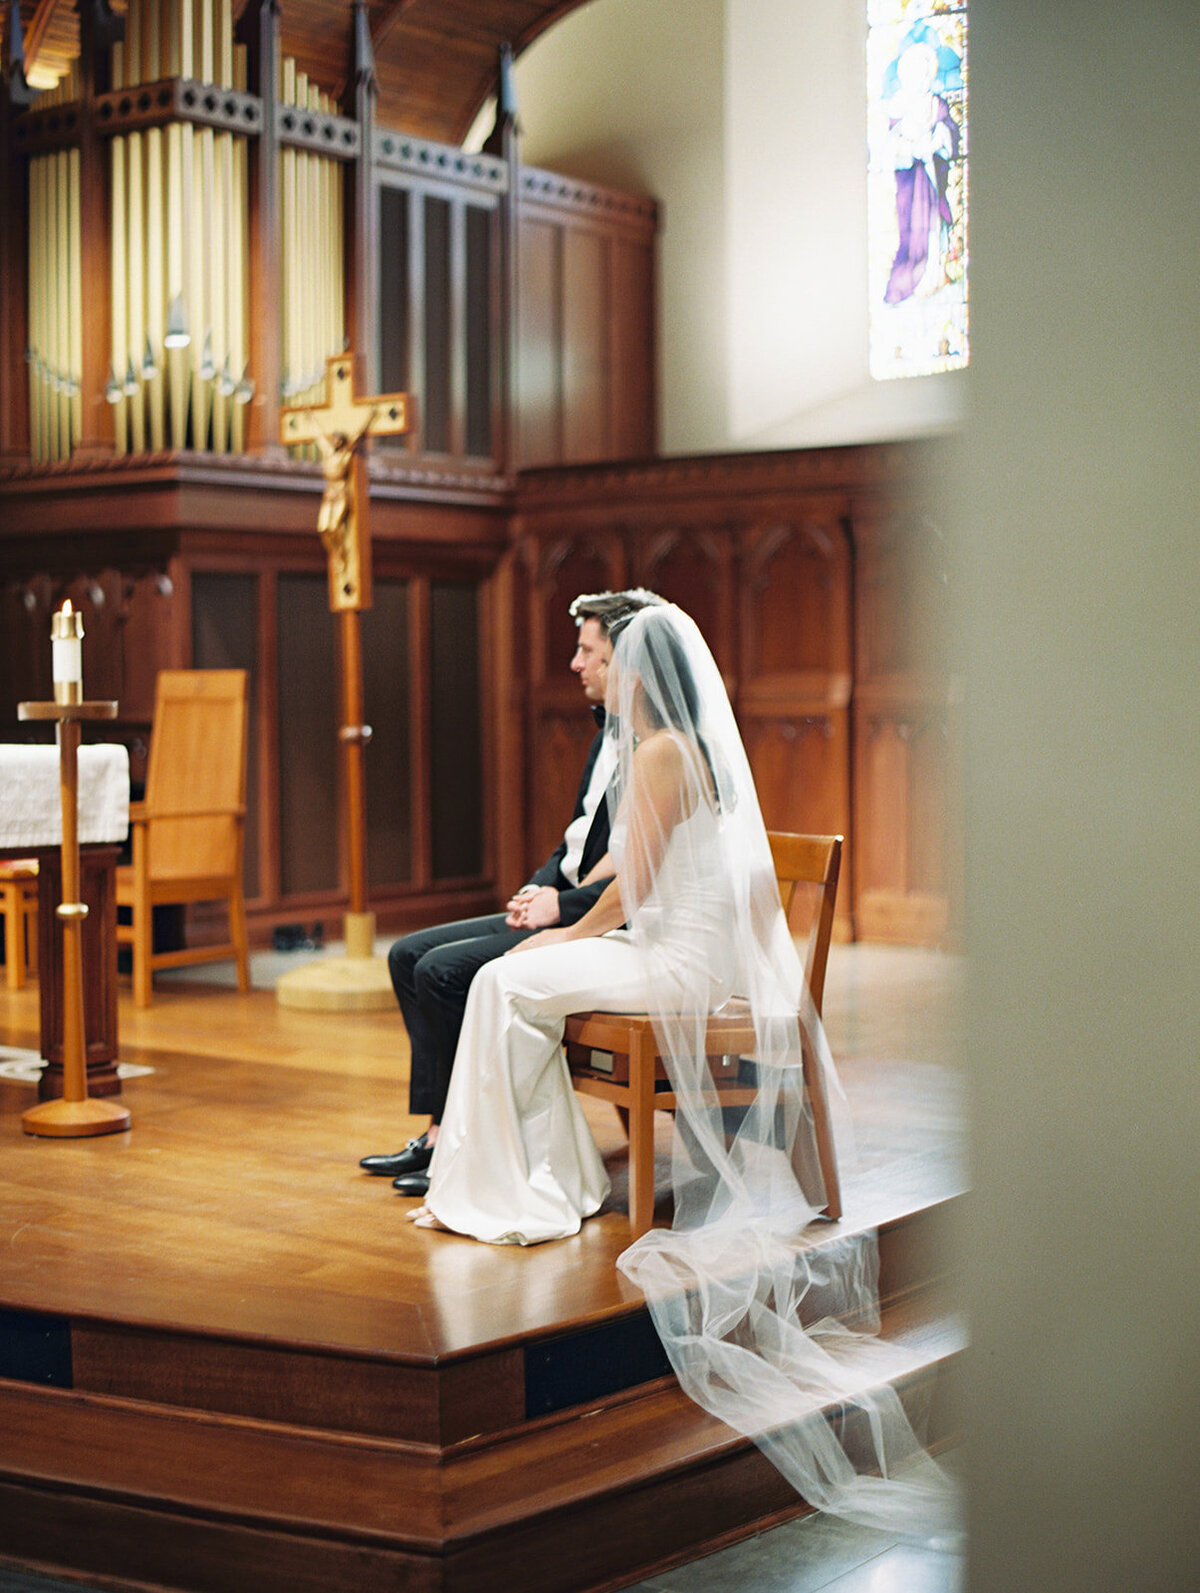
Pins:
x,y
149,638
905,755
225,635
586,559
387,704
505,144
25,648
483,423
903,764
129,625
881,770
176,644
562,734
455,234
797,653
417,292
25,655
421,792
602,244
800,763
633,418
505,686
539,379
312,865
798,598
16,653
457,340
695,567
437,392
455,761
559,725
587,313
491,681
394,314
901,595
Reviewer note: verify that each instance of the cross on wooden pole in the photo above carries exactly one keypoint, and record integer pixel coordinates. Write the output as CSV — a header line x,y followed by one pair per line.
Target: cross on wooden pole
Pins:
x,y
340,427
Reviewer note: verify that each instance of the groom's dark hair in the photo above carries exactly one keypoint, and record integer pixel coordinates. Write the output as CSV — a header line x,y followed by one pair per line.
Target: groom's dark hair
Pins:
x,y
612,610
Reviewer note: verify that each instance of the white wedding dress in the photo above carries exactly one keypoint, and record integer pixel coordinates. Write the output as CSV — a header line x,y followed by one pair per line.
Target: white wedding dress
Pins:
x,y
515,1161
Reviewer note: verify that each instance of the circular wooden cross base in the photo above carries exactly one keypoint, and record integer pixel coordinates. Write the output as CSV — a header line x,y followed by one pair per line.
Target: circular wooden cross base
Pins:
x,y
74,1119
357,982
338,984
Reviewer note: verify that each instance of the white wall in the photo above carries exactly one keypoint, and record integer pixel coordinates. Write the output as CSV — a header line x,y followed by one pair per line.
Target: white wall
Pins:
x,y
746,118
796,224
1080,564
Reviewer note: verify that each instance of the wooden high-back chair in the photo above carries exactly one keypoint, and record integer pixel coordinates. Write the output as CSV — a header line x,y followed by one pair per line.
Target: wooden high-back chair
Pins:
x,y
188,831
18,903
615,1056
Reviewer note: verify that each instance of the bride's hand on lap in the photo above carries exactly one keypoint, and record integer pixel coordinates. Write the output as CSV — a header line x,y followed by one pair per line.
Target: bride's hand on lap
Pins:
x,y
544,937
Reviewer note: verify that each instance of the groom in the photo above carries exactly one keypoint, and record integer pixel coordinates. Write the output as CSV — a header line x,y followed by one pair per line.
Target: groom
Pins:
x,y
432,969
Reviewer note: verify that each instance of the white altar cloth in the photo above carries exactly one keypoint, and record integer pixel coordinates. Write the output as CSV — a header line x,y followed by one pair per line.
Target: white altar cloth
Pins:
x,y
30,805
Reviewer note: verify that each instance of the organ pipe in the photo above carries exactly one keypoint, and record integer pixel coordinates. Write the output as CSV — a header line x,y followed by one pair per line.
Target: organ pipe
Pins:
x,y
179,252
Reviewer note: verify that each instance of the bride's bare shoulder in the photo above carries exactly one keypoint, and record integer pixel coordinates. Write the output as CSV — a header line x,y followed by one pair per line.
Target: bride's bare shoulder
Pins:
x,y
661,757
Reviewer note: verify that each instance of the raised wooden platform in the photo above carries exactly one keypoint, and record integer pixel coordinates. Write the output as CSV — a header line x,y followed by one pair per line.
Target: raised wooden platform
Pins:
x,y
227,1361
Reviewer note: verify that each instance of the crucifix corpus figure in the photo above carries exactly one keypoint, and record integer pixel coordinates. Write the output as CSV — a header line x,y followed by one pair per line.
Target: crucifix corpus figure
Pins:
x,y
336,520
340,428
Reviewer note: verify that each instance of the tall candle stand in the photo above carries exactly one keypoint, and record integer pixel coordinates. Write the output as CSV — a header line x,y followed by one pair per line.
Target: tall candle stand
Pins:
x,y
74,1114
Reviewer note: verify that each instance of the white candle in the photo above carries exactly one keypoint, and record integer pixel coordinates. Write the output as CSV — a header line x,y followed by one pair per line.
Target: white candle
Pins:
x,y
66,645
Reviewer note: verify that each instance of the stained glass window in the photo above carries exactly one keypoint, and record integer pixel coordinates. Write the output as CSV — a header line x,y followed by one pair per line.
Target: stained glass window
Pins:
x,y
917,185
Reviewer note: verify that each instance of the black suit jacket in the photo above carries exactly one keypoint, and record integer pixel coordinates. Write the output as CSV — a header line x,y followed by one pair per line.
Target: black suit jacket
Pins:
x,y
574,900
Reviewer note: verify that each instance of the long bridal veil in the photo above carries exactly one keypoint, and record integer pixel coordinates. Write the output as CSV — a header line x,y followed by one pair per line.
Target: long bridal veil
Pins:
x,y
771,1323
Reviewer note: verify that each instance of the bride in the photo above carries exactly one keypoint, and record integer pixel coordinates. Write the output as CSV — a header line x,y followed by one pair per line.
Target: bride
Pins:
x,y
515,1161
766,1327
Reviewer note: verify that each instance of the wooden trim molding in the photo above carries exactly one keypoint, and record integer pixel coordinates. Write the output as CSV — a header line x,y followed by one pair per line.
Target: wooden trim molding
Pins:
x,y
335,136
587,199
420,157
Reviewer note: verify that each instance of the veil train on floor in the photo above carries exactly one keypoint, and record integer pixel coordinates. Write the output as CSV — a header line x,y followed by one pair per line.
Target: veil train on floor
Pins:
x,y
770,1322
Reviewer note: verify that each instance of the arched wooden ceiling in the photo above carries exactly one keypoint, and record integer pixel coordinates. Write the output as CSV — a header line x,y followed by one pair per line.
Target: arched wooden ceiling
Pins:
x,y
435,59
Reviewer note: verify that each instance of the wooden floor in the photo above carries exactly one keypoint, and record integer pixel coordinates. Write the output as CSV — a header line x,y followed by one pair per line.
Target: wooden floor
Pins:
x,y
221,1344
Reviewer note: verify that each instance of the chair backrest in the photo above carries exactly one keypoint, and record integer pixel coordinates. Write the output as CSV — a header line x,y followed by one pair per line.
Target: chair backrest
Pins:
x,y
809,860
197,767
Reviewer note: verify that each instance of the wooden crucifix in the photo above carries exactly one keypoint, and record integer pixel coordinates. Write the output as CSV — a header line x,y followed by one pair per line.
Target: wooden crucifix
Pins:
x,y
340,428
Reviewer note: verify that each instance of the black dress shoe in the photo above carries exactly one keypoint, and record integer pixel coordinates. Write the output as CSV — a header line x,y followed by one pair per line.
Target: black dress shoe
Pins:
x,y
414,1158
412,1184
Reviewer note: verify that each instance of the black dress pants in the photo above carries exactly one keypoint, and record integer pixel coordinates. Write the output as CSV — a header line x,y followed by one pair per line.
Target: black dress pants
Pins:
x,y
431,972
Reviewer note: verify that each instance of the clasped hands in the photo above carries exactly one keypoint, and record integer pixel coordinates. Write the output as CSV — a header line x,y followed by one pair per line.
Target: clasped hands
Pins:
x,y
534,907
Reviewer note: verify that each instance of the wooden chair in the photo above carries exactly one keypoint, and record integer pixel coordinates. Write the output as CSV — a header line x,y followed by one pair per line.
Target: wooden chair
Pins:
x,y
614,1056
188,831
18,903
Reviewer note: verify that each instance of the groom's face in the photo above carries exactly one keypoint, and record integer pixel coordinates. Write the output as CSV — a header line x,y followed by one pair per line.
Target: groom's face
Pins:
x,y
591,658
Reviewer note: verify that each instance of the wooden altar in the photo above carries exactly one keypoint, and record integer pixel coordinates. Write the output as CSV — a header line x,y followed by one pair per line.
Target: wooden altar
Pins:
x,y
31,827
